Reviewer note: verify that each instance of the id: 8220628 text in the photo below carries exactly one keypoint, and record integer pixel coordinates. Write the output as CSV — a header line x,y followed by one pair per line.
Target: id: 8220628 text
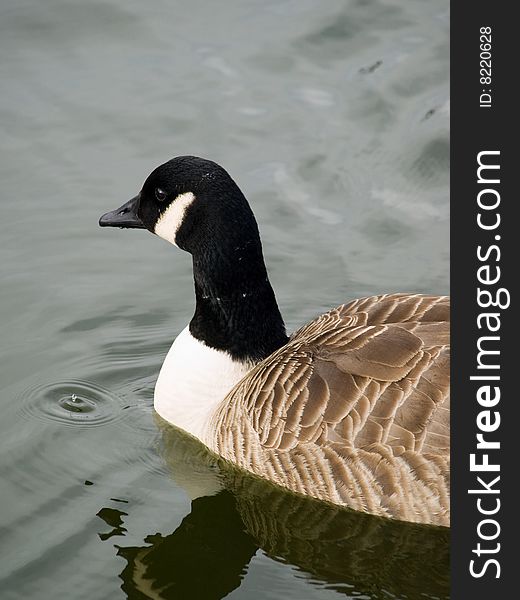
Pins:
x,y
485,67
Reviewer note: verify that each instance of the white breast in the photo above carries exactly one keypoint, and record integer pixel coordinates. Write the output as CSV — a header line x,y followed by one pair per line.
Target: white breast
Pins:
x,y
194,379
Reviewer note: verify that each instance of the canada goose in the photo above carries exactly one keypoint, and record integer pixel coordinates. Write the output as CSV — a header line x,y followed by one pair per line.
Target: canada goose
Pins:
x,y
352,409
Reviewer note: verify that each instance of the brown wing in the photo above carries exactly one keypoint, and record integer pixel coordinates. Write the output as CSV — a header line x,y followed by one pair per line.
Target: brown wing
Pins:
x,y
353,410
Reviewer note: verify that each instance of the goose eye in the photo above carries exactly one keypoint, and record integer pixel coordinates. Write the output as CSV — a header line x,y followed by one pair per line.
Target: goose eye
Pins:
x,y
160,194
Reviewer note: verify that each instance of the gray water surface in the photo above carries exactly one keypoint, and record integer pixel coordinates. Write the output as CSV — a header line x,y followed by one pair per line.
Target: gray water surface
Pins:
x,y
333,119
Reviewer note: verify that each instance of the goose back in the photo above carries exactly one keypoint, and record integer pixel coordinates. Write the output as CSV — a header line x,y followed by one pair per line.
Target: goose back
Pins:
x,y
353,410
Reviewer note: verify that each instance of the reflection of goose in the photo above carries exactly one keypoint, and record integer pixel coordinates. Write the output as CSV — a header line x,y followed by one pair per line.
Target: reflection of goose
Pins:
x,y
352,409
207,555
204,558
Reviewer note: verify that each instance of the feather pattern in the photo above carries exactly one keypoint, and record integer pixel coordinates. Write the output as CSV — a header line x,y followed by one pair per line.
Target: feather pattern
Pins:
x,y
353,410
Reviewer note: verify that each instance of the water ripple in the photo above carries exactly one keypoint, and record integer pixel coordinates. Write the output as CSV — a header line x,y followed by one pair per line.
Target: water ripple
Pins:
x,y
73,403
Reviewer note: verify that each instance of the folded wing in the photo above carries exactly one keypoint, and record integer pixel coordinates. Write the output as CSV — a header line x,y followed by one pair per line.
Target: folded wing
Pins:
x,y
353,410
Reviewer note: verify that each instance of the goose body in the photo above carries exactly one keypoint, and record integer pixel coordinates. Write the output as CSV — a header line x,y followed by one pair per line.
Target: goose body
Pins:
x,y
352,409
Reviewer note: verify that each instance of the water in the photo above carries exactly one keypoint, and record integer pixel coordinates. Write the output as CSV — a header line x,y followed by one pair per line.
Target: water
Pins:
x,y
333,119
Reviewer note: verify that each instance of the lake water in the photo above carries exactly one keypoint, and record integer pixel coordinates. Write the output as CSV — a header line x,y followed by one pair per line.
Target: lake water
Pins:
x,y
333,117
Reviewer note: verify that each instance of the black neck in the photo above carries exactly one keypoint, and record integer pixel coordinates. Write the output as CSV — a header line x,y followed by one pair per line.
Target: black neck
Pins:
x,y
236,309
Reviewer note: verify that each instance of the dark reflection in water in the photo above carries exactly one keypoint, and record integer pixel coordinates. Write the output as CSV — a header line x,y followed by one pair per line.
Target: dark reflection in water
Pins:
x,y
113,518
207,556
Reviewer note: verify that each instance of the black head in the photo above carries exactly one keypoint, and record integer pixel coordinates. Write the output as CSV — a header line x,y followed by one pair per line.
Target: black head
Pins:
x,y
194,204
190,202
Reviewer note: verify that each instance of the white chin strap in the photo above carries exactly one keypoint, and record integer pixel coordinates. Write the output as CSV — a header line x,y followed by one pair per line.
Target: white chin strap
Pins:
x,y
171,220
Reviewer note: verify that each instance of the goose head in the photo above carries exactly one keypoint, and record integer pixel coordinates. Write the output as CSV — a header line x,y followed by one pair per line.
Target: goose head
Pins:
x,y
194,204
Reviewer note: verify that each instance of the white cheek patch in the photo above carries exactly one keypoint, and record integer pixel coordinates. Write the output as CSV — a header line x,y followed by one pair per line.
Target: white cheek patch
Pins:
x,y
170,221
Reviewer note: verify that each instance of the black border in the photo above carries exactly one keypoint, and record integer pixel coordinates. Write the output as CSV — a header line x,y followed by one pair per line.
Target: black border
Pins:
x,y
474,129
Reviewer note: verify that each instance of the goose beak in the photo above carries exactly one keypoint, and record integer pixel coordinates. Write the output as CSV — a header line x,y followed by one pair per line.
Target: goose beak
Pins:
x,y
125,216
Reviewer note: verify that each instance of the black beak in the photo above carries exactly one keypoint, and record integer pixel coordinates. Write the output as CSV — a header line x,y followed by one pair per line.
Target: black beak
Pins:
x,y
125,216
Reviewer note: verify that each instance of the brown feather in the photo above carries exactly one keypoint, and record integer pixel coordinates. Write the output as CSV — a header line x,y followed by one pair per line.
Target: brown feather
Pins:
x,y
354,410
